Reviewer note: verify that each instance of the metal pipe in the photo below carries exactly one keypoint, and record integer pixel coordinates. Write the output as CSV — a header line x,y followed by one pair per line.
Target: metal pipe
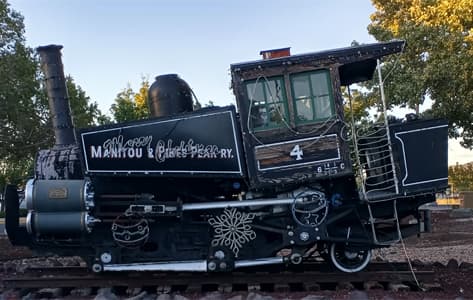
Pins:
x,y
51,64
176,266
231,204
259,262
189,266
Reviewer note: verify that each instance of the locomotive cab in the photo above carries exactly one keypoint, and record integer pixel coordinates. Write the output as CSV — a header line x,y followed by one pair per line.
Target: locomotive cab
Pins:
x,y
285,178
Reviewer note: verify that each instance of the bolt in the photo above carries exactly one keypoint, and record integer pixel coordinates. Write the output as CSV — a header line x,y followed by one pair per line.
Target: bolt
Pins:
x,y
304,236
211,266
290,233
318,238
97,268
223,265
296,258
316,228
219,254
106,257
291,242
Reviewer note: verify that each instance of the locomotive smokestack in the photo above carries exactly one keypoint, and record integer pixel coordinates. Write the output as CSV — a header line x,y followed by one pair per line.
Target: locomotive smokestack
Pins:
x,y
51,64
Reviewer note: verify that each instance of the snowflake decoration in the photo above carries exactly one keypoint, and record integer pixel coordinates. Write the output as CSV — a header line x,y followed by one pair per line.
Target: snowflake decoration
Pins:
x,y
232,229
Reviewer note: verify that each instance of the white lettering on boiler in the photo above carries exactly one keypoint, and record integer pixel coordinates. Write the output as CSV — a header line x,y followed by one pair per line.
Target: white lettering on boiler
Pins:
x,y
116,147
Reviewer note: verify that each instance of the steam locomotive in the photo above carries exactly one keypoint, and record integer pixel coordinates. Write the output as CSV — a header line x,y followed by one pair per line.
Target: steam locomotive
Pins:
x,y
284,176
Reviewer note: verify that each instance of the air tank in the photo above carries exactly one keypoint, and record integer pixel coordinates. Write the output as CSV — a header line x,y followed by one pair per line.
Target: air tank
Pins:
x,y
169,95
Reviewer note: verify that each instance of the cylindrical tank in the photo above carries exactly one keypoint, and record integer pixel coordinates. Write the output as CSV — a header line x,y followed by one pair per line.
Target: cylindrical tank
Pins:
x,y
51,64
64,223
59,195
169,95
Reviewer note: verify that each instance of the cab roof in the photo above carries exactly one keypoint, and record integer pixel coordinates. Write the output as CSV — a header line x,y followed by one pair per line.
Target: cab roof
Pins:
x,y
356,63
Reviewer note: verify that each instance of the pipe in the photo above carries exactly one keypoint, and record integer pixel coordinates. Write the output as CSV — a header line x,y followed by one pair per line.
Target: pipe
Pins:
x,y
51,64
175,266
231,204
259,262
189,266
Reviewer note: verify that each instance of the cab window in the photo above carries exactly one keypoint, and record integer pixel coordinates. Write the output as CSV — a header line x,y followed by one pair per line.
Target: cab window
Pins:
x,y
267,102
312,95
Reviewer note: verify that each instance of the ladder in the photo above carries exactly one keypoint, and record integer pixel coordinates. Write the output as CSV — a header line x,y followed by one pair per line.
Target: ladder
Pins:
x,y
391,221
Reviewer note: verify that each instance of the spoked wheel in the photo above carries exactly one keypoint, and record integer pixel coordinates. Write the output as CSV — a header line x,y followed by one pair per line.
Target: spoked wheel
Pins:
x,y
347,260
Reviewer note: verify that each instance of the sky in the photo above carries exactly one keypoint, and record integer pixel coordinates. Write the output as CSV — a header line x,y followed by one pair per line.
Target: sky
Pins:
x,y
111,43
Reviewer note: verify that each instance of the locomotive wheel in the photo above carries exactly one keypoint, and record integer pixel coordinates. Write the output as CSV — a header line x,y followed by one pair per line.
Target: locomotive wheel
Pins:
x,y
347,260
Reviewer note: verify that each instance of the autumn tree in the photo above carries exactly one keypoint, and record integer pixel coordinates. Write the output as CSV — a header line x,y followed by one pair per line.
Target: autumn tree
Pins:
x,y
130,105
438,60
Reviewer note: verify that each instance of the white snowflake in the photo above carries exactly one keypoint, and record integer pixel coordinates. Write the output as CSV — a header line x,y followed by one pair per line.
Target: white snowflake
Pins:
x,y
232,229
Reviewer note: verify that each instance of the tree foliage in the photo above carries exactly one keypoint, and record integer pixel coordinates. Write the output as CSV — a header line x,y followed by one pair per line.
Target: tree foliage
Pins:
x,y
130,105
85,112
21,121
438,60
461,177
25,126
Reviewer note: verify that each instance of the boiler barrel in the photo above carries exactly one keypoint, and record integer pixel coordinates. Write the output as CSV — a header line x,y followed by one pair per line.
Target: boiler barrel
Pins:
x,y
169,95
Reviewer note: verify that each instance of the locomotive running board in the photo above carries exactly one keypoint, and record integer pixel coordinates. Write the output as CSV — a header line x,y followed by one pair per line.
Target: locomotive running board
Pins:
x,y
187,266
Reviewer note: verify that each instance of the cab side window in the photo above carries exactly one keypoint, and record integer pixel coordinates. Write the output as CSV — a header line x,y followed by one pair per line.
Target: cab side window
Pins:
x,y
267,103
313,99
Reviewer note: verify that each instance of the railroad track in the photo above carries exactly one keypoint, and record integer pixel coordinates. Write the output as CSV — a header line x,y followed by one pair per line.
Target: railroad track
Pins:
x,y
310,277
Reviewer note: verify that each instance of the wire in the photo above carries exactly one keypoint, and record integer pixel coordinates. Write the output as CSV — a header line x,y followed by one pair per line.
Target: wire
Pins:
x,y
395,63
407,257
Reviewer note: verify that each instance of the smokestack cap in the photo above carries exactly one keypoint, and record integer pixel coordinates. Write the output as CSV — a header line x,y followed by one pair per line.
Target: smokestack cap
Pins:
x,y
49,48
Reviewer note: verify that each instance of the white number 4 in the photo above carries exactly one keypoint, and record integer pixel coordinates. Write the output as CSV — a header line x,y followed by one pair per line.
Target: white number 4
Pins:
x,y
297,152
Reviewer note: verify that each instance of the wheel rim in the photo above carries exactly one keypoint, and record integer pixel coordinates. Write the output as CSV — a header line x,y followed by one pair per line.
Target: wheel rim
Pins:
x,y
349,261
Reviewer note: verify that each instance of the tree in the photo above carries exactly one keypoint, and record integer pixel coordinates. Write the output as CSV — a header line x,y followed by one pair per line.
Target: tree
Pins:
x,y
22,124
141,99
25,126
438,60
131,106
85,112
461,177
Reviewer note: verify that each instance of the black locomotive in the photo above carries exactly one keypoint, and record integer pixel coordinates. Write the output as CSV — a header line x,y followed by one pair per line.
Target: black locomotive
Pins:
x,y
284,177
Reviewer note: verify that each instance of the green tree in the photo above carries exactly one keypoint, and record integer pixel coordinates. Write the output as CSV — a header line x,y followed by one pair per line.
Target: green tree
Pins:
x,y
22,123
130,105
461,177
85,112
438,60
25,126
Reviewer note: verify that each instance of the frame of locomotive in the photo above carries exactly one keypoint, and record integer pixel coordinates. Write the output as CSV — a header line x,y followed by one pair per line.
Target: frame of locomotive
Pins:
x,y
283,178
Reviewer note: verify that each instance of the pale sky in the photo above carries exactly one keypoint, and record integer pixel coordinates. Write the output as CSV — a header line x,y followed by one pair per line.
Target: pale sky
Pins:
x,y
109,43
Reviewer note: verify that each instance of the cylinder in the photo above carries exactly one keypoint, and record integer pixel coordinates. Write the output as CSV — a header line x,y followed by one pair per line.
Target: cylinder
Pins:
x,y
65,223
51,64
58,195
169,95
